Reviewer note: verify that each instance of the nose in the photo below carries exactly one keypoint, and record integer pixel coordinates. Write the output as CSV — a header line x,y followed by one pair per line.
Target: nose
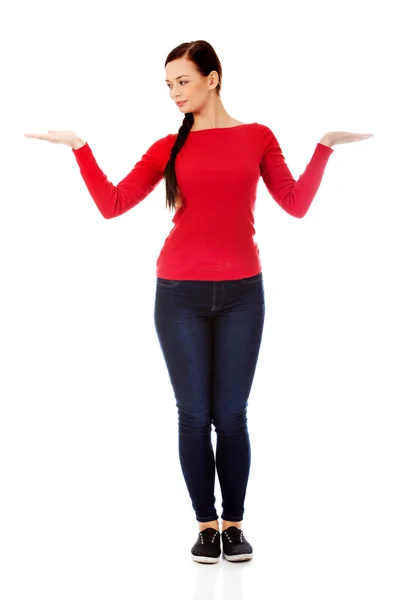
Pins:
x,y
175,95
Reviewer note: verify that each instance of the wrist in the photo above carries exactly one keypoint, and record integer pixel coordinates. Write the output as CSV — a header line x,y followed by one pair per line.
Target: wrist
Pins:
x,y
326,141
78,143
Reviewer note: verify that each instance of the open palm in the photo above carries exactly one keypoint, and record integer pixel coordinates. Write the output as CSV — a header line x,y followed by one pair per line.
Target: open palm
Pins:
x,y
56,137
344,137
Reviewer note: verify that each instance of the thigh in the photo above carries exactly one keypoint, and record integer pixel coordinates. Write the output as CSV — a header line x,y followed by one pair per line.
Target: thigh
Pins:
x,y
236,339
184,333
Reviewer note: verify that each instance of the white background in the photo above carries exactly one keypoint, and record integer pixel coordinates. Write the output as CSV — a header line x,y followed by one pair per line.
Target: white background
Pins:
x,y
93,502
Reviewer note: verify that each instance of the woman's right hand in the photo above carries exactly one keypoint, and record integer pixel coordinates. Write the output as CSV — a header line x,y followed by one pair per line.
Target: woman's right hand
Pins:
x,y
69,138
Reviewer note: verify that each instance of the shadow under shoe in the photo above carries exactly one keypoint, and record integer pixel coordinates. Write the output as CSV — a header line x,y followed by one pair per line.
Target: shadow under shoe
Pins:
x,y
235,545
207,548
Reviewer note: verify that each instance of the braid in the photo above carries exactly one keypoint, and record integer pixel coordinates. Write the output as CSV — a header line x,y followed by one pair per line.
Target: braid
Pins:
x,y
174,199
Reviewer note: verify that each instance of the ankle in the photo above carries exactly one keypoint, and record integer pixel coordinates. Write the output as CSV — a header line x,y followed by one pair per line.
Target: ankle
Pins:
x,y
226,524
213,524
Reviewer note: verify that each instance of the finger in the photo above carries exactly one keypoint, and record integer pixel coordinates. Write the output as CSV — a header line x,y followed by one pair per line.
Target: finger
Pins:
x,y
38,136
358,137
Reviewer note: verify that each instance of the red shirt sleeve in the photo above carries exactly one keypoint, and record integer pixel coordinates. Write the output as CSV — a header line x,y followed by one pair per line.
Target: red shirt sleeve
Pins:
x,y
294,197
112,200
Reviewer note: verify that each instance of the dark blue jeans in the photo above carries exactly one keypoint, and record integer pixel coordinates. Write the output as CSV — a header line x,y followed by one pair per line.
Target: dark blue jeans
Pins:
x,y
210,335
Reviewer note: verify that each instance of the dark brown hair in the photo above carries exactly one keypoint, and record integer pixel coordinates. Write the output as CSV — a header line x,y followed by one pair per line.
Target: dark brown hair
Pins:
x,y
205,60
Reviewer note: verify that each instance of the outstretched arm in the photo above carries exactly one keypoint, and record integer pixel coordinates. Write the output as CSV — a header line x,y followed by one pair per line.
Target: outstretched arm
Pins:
x,y
114,200
293,196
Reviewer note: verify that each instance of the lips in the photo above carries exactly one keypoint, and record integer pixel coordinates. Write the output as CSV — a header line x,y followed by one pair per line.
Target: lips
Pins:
x,y
180,103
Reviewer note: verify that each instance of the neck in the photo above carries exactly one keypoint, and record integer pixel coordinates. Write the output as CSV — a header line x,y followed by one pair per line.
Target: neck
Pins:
x,y
214,115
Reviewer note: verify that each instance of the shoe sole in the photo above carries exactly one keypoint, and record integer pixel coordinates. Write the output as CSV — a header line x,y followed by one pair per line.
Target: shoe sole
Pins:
x,y
205,559
238,557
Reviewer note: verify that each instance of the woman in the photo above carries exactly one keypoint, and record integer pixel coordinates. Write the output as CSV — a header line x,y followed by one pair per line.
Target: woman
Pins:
x,y
209,305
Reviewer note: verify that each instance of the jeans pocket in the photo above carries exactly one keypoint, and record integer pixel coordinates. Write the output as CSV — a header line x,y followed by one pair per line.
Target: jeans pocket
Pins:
x,y
168,282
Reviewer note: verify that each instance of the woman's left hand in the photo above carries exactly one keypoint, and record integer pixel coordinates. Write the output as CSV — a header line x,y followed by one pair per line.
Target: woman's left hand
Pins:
x,y
343,137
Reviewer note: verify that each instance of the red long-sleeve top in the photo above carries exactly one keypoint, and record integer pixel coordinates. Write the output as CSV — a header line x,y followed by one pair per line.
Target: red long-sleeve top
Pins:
x,y
218,171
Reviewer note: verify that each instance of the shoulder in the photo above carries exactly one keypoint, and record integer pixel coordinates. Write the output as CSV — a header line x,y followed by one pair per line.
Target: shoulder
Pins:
x,y
158,152
267,135
161,145
263,128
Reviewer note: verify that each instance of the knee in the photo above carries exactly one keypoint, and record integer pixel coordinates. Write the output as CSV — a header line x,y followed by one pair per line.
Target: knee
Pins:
x,y
194,422
230,424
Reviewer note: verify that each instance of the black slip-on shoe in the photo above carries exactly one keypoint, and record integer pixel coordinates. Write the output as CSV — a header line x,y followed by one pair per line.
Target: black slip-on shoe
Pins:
x,y
207,549
235,546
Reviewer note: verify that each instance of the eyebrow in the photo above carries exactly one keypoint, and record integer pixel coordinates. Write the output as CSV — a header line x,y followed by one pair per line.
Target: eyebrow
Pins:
x,y
179,77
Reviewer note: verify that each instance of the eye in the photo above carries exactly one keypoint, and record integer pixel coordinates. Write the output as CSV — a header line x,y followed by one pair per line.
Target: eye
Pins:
x,y
179,82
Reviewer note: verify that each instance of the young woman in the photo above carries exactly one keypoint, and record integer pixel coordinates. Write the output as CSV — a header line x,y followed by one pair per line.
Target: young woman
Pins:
x,y
209,305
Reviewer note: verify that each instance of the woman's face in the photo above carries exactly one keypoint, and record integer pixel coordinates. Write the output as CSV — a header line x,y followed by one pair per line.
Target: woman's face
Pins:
x,y
186,84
